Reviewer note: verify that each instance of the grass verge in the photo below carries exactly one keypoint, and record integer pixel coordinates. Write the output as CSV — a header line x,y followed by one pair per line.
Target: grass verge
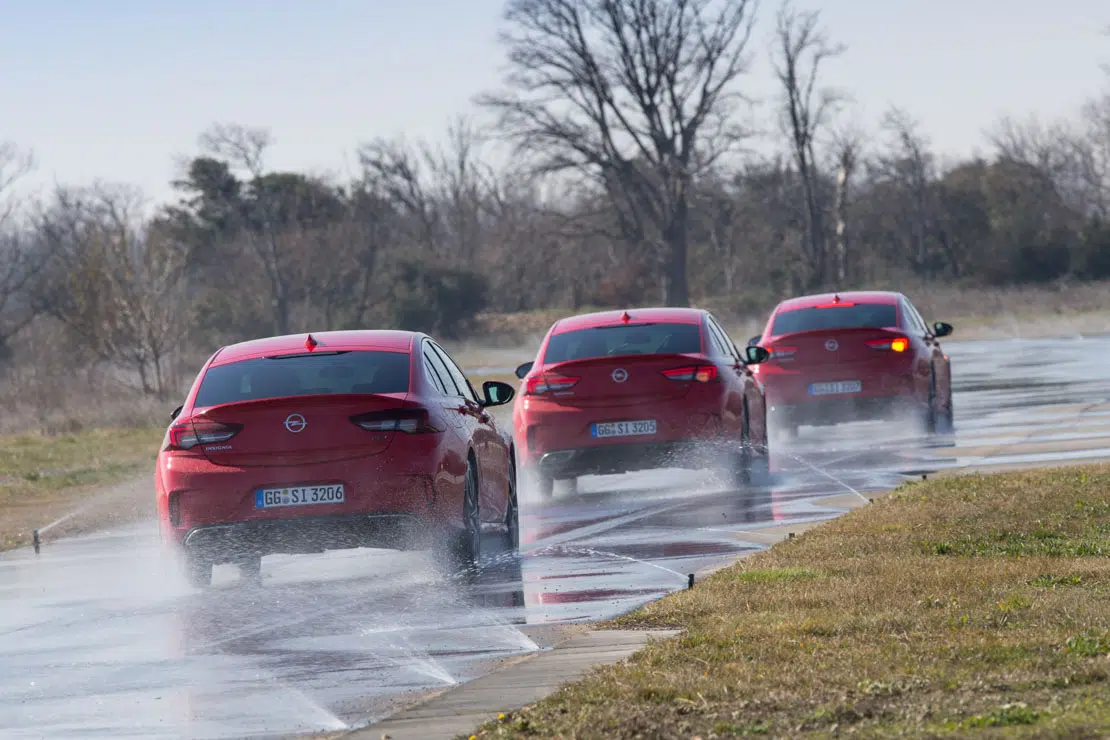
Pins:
x,y
966,603
45,478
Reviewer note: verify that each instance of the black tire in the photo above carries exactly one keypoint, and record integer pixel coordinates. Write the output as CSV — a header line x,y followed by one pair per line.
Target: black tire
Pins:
x,y
250,569
466,544
742,459
198,569
929,417
512,512
947,417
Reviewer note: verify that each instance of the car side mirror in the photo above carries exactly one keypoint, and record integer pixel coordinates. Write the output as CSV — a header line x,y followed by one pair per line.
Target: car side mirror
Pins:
x,y
176,412
496,393
754,355
523,370
941,329
754,340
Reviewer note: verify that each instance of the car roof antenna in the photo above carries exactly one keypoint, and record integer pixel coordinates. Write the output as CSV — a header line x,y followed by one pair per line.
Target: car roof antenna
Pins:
x,y
625,317
310,343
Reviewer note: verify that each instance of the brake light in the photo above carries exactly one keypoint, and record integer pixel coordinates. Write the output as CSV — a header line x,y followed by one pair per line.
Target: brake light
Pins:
x,y
537,385
835,304
898,344
700,373
409,421
188,434
782,353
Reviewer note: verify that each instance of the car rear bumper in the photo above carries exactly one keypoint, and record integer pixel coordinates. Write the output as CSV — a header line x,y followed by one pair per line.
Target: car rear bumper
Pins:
x,y
224,543
612,459
824,411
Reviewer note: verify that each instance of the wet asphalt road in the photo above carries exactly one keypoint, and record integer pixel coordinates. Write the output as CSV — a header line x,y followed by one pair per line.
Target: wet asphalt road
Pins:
x,y
99,636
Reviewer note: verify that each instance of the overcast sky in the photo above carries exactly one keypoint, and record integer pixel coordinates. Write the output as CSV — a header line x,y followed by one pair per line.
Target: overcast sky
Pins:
x,y
118,89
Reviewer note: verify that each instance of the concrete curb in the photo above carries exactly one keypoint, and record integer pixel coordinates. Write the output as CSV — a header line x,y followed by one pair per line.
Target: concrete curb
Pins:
x,y
459,711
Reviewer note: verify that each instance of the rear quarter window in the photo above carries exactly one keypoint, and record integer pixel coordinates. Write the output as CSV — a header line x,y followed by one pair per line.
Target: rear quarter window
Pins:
x,y
856,316
305,374
622,340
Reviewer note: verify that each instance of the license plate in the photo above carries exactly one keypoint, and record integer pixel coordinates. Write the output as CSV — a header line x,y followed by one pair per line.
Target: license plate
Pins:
x,y
828,389
623,428
269,498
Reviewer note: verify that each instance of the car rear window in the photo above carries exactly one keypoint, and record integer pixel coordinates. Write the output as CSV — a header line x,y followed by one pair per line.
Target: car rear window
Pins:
x,y
854,316
633,339
303,375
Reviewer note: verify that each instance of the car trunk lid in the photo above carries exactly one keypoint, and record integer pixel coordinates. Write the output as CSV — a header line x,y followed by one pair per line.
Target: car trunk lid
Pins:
x,y
619,381
296,430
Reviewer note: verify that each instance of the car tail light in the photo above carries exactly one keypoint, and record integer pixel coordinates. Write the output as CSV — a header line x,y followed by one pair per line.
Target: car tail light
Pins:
x,y
538,385
898,344
188,434
700,373
409,421
782,353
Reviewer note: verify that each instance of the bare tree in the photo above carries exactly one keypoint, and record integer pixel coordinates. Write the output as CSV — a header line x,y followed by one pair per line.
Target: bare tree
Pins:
x,y
846,153
639,95
244,148
442,191
908,164
117,285
801,47
21,258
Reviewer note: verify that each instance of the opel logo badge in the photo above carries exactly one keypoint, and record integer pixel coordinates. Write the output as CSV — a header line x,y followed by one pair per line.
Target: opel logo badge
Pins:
x,y
832,345
620,375
295,423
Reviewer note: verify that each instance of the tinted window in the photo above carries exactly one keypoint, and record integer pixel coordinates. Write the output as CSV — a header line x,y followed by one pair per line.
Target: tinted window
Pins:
x,y
307,374
857,316
913,319
457,374
723,341
437,366
433,375
610,341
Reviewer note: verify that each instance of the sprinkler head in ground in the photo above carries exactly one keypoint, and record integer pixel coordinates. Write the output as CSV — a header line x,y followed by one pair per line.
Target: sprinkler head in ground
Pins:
x,y
690,581
35,540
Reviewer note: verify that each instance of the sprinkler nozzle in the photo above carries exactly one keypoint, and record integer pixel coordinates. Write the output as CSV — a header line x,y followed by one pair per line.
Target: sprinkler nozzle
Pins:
x,y
35,540
789,535
690,581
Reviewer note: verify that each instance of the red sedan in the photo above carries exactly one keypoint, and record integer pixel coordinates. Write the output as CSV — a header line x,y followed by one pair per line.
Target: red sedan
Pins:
x,y
307,443
646,388
848,356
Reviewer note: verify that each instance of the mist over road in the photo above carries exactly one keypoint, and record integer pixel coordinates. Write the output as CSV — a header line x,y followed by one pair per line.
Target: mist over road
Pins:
x,y
100,637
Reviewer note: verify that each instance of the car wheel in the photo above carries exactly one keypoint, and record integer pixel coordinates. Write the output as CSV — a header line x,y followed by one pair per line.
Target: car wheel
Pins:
x,y
250,569
198,569
742,458
467,545
930,416
946,421
512,512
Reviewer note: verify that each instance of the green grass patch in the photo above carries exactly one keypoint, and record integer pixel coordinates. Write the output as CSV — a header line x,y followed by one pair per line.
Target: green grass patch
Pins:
x,y
957,605
43,478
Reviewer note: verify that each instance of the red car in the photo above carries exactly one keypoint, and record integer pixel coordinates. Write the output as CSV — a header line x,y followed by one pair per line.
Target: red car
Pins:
x,y
307,443
850,356
646,388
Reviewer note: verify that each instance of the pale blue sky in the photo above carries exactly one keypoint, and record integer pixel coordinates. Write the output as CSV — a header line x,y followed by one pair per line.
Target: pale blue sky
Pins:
x,y
117,89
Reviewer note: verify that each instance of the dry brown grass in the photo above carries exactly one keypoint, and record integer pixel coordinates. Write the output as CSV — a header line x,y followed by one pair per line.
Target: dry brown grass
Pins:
x,y
45,478
1027,311
959,603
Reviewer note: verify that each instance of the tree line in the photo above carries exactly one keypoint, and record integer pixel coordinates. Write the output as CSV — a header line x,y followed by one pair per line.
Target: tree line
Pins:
x,y
637,171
